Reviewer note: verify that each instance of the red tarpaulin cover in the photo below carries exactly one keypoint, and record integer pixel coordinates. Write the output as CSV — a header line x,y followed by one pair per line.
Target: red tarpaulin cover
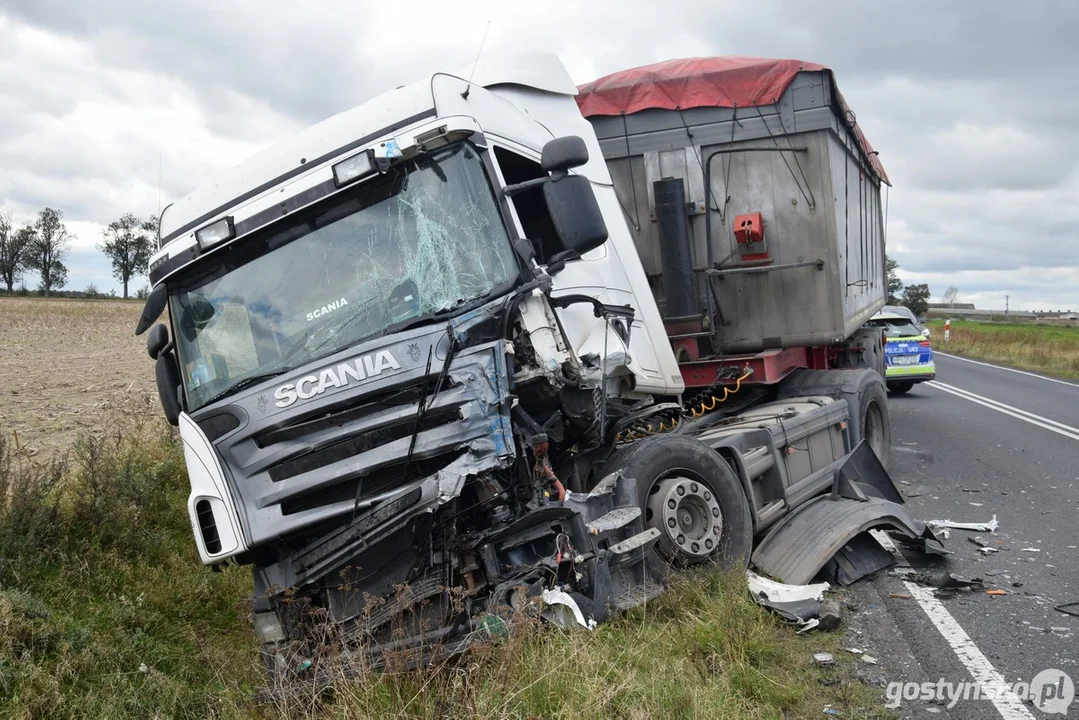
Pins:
x,y
706,82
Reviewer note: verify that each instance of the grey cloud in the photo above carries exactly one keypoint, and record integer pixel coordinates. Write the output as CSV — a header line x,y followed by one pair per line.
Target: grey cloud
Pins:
x,y
972,105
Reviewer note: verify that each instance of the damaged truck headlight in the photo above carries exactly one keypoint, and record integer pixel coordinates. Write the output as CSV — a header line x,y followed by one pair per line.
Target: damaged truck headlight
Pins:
x,y
268,627
353,169
216,232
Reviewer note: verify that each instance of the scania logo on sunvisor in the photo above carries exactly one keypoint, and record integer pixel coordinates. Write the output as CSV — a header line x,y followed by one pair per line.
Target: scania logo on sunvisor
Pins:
x,y
309,386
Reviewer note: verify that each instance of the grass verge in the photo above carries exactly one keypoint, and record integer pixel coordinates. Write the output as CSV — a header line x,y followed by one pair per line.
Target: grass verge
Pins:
x,y
1047,349
106,612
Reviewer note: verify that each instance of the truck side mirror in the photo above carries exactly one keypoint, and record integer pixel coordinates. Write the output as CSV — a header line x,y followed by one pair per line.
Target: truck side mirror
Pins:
x,y
155,305
167,372
157,340
564,153
575,213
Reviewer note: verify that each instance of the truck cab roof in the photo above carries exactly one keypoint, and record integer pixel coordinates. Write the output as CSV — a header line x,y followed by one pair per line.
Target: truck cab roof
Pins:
x,y
314,147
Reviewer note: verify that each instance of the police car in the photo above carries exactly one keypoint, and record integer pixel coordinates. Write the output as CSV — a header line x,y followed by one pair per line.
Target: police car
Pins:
x,y
908,354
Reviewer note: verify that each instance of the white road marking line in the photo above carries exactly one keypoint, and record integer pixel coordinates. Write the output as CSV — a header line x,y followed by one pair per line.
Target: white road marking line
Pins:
x,y
977,664
1001,367
1059,428
998,403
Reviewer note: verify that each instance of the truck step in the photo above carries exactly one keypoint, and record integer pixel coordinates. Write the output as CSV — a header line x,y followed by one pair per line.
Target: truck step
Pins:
x,y
619,517
623,552
637,596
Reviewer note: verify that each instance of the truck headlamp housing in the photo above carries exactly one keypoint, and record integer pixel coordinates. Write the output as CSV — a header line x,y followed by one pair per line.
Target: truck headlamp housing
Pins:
x,y
355,168
215,233
268,628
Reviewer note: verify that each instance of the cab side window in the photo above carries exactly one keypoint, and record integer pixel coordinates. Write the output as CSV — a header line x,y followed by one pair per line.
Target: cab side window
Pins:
x,y
530,206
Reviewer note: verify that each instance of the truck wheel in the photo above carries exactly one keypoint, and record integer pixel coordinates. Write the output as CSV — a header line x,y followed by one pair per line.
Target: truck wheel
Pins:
x,y
866,398
692,496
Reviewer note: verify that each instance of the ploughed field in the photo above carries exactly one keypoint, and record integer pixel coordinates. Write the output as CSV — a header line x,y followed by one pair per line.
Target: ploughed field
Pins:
x,y
62,362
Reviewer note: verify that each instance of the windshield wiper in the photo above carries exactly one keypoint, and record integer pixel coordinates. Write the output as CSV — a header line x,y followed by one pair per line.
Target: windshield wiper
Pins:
x,y
246,383
461,306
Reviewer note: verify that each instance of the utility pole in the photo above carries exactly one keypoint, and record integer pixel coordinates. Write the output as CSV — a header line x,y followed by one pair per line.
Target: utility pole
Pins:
x,y
1006,304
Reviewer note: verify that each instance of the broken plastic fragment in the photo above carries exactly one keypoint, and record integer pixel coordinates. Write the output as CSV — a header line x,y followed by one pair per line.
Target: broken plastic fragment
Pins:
x,y
823,658
762,587
564,610
945,580
869,659
799,604
990,526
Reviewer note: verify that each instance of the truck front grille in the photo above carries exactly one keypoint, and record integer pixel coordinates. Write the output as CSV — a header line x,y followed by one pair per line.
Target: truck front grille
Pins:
x,y
360,444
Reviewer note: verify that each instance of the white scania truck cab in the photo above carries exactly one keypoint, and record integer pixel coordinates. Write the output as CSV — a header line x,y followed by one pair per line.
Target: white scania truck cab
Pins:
x,y
422,380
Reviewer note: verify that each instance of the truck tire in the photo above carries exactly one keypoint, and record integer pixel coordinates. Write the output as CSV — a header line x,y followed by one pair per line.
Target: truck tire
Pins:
x,y
691,495
866,398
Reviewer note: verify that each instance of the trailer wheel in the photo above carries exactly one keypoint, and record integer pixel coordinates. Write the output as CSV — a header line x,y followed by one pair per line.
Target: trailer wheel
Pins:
x,y
693,497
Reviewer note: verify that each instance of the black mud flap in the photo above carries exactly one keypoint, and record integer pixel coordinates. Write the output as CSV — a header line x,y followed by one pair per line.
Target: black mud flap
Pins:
x,y
863,497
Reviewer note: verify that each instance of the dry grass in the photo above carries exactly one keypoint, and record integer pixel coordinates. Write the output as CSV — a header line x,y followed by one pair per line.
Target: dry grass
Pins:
x,y
63,361
703,650
1048,349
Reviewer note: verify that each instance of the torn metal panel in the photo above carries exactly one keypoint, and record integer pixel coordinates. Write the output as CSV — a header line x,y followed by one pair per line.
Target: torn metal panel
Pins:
x,y
802,543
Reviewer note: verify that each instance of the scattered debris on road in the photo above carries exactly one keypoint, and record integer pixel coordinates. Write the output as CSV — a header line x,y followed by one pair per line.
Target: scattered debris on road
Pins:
x,y
979,541
869,659
901,596
800,604
830,616
1068,609
823,659
1030,549
996,592
989,527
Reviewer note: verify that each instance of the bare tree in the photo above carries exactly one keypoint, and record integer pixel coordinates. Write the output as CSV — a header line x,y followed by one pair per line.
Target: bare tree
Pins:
x,y
951,295
47,249
128,244
12,250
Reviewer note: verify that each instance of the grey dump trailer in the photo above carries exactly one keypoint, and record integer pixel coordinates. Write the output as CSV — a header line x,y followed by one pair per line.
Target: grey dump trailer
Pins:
x,y
794,164
461,352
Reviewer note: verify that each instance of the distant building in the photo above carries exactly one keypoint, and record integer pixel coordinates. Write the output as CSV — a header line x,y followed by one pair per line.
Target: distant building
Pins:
x,y
951,306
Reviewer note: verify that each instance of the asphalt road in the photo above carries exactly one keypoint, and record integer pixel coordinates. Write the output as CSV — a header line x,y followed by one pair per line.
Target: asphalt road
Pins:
x,y
984,441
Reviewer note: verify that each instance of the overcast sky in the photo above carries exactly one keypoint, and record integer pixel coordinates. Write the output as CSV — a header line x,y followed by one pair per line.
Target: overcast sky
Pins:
x,y
113,106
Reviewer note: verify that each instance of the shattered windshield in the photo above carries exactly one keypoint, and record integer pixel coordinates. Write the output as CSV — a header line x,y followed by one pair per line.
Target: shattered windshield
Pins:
x,y
421,240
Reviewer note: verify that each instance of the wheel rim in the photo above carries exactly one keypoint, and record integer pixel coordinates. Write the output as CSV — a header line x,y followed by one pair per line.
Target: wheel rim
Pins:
x,y
873,429
688,516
